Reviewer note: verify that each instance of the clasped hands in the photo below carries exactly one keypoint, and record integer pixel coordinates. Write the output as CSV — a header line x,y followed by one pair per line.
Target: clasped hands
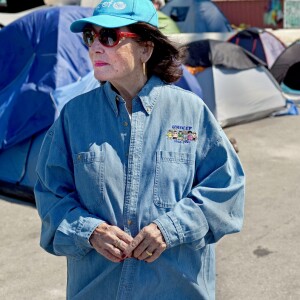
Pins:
x,y
116,245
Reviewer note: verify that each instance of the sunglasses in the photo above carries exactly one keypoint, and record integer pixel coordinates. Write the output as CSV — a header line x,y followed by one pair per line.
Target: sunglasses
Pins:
x,y
108,37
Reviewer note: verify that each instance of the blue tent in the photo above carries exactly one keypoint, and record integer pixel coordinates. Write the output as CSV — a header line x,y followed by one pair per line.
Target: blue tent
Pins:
x,y
189,82
45,65
197,16
38,54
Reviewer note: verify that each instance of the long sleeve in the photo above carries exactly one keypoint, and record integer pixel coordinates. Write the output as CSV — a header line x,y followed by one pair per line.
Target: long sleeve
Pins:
x,y
66,224
215,205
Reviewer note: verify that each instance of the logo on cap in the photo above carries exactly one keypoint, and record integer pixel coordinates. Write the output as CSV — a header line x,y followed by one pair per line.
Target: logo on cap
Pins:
x,y
117,5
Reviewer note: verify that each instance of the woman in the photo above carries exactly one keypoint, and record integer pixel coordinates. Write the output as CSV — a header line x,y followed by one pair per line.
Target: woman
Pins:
x,y
135,210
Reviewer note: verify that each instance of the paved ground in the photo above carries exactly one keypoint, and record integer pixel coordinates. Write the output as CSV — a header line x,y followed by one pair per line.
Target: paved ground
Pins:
x,y
260,263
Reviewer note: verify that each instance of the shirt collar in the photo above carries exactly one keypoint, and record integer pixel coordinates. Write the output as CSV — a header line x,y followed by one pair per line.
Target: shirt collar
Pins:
x,y
148,94
112,96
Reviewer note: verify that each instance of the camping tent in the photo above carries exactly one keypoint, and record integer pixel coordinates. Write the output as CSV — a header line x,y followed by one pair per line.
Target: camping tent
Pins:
x,y
236,85
18,163
262,43
166,24
38,54
286,70
197,16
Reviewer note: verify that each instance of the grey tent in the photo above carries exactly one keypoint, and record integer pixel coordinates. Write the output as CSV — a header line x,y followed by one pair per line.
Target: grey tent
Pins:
x,y
236,85
286,70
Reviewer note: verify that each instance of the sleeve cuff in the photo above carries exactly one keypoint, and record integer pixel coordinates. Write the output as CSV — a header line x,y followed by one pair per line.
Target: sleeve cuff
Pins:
x,y
84,232
170,229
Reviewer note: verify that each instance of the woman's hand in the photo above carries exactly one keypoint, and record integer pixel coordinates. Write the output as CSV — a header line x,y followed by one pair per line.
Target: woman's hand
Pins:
x,y
110,241
148,245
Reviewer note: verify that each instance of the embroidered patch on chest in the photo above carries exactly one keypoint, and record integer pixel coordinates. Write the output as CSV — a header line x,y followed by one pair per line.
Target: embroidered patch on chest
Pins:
x,y
182,134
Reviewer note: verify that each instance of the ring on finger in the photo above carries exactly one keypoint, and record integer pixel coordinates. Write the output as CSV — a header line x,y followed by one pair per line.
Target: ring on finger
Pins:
x,y
117,244
149,253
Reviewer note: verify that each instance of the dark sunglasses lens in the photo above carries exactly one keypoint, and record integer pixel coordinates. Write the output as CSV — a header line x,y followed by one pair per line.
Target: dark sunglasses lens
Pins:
x,y
88,37
108,37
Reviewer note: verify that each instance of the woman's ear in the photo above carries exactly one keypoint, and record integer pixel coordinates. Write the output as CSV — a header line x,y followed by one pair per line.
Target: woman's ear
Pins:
x,y
147,50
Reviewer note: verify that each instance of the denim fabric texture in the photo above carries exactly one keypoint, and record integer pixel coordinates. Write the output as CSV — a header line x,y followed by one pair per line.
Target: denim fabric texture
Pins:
x,y
170,163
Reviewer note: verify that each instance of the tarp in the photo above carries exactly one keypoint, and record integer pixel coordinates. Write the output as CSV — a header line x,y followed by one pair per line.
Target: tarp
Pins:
x,y
260,42
236,85
38,54
197,16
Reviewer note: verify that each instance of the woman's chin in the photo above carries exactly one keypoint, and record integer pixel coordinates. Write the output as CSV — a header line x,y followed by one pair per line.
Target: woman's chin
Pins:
x,y
101,77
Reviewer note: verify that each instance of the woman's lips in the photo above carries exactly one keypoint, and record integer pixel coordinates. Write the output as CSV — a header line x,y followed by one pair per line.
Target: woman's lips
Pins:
x,y
100,63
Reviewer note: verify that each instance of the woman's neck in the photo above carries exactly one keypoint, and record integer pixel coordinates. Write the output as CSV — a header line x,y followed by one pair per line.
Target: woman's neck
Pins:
x,y
129,90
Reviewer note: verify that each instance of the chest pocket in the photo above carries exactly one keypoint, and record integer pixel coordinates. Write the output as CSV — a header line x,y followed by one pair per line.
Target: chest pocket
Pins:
x,y
173,177
89,174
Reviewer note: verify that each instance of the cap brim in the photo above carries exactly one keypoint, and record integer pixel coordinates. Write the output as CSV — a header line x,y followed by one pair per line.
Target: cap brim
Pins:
x,y
107,21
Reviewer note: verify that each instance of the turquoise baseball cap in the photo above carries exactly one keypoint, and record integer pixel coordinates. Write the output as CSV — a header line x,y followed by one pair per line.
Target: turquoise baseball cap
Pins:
x,y
119,13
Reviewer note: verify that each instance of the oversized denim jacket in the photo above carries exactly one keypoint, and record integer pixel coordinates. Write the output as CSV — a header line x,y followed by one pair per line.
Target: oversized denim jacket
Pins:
x,y
170,163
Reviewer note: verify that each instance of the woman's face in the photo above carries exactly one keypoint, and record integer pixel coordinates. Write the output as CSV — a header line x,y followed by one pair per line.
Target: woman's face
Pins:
x,y
118,64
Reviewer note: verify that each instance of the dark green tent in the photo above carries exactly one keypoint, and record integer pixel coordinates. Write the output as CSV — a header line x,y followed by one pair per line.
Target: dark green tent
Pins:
x,y
166,24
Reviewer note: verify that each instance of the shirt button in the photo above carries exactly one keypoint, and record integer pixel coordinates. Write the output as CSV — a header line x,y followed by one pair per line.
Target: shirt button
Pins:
x,y
148,109
125,124
129,222
117,98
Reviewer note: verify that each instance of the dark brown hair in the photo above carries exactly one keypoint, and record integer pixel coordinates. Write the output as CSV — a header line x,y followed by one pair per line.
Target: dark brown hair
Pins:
x,y
166,59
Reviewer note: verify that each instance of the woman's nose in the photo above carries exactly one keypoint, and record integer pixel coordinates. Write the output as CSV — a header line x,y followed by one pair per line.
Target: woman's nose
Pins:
x,y
97,46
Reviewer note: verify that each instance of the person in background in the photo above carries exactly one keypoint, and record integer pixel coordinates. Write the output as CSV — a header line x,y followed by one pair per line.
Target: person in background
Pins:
x,y
158,4
134,206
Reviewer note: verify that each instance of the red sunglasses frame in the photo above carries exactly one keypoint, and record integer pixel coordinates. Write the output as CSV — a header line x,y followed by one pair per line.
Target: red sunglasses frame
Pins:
x,y
119,34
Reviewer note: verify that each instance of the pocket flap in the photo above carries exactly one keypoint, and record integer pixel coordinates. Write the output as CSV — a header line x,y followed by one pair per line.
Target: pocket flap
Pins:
x,y
175,157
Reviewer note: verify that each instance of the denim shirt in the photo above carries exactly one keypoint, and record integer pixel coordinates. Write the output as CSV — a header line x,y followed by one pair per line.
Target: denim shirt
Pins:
x,y
169,163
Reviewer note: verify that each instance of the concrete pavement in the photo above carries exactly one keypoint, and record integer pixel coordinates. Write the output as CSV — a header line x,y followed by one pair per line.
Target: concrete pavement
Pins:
x,y
261,262
26,271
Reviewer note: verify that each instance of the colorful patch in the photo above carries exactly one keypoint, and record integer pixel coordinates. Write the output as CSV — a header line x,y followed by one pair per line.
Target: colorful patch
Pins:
x,y
182,134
